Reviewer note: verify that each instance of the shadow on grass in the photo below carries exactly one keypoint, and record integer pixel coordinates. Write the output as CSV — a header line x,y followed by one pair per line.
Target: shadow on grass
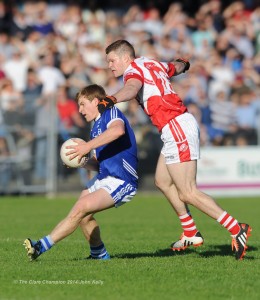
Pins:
x,y
158,253
215,250
225,250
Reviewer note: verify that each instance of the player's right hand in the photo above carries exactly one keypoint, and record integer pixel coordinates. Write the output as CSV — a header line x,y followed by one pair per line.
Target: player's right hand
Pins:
x,y
106,103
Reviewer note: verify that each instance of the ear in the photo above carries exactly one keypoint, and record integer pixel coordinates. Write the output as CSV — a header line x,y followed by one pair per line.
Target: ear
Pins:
x,y
96,101
126,58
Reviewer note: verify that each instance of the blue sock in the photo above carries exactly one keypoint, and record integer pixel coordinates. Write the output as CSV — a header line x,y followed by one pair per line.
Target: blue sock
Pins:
x,y
98,251
46,243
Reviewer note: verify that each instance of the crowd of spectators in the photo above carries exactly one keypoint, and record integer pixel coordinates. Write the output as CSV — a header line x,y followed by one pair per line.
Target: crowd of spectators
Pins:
x,y
51,49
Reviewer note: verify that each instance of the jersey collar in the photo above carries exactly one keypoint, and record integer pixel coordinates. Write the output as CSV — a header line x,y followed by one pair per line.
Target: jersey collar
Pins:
x,y
99,115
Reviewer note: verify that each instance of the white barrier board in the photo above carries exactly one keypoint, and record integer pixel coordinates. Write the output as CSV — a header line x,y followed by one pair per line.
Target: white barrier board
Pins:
x,y
229,171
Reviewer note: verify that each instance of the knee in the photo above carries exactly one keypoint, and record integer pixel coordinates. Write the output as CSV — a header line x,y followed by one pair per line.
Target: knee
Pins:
x,y
76,215
161,184
157,183
86,220
83,223
187,197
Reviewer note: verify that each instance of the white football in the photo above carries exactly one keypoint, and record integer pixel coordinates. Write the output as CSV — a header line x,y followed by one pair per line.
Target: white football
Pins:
x,y
66,159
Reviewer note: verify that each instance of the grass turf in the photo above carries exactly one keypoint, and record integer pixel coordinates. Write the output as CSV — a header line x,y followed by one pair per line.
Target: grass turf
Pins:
x,y
137,236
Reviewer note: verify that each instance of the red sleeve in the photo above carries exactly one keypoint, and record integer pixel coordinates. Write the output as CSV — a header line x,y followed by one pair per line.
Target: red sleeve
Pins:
x,y
171,69
135,76
135,73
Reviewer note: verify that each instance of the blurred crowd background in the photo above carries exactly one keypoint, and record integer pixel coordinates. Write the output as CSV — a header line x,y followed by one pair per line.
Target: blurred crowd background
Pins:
x,y
49,50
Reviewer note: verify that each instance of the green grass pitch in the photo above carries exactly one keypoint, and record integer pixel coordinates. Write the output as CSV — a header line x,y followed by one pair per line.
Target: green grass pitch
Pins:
x,y
137,236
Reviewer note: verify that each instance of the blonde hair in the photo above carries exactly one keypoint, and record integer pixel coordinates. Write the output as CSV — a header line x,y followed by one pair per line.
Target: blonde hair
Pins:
x,y
92,91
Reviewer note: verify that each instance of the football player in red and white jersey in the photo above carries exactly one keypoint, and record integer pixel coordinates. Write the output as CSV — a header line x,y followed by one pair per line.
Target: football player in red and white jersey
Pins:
x,y
148,81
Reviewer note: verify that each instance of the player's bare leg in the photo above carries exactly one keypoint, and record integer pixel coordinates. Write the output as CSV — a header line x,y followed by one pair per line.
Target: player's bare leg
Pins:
x,y
86,204
165,184
91,231
89,226
184,177
190,236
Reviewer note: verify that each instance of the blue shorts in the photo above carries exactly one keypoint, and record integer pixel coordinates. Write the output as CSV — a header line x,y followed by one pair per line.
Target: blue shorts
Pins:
x,y
120,190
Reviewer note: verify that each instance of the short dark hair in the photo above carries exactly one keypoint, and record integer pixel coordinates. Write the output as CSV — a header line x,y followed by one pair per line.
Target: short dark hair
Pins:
x,y
121,46
92,91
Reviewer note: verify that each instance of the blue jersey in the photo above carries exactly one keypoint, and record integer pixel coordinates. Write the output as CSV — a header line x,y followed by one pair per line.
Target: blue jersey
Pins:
x,y
118,158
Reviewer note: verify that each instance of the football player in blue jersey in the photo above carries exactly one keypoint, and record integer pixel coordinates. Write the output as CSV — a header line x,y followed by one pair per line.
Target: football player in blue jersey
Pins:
x,y
115,160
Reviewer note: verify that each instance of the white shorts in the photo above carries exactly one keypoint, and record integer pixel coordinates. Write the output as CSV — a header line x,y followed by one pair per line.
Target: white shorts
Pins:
x,y
181,139
120,191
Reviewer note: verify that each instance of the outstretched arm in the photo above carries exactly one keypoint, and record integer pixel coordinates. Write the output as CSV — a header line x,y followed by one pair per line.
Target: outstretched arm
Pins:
x,y
132,86
129,91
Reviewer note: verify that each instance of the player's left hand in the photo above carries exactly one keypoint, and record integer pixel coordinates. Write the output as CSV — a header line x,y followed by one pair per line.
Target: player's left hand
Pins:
x,y
80,150
185,62
106,103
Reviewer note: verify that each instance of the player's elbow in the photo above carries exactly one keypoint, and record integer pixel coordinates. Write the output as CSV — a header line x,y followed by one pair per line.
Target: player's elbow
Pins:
x,y
117,130
120,131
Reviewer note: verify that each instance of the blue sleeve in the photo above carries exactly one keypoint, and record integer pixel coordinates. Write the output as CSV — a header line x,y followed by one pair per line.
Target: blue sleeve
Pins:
x,y
112,114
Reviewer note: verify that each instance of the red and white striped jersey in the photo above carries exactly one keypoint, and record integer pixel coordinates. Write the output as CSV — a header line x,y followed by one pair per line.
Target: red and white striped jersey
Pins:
x,y
157,97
